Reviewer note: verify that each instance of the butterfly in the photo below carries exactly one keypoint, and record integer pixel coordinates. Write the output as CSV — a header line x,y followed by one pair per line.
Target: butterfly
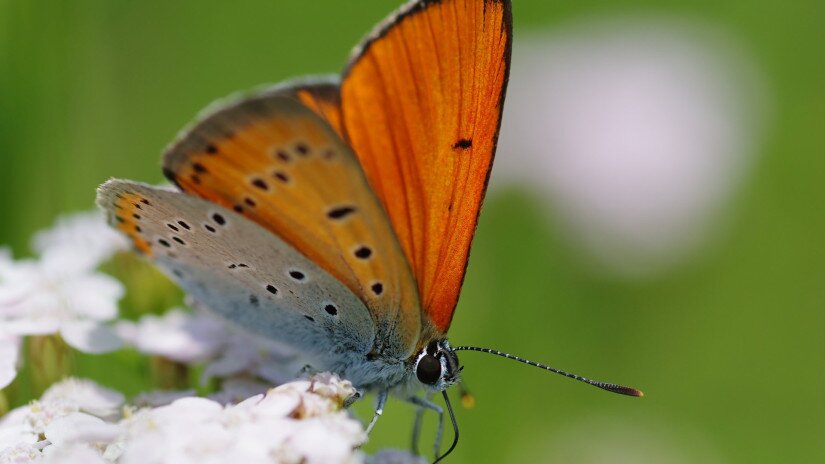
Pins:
x,y
336,214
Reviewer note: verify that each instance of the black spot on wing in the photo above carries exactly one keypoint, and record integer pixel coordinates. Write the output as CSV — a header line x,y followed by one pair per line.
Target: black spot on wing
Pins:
x,y
260,183
377,288
331,309
282,155
340,212
463,144
302,149
281,176
363,252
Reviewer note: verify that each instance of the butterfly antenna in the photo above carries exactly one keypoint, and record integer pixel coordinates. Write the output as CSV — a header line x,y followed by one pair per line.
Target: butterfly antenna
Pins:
x,y
611,387
455,429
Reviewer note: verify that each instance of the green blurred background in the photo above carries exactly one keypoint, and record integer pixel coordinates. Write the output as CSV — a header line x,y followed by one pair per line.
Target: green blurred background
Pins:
x,y
728,346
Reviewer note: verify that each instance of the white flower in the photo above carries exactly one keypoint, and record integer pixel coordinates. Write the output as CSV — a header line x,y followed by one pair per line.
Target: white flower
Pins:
x,y
72,412
236,389
86,396
59,293
78,427
77,421
244,354
87,232
298,422
637,130
16,437
9,352
194,337
20,453
73,454
178,335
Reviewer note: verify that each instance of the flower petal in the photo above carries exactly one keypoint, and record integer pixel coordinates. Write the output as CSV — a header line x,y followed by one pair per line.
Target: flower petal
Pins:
x,y
79,427
90,337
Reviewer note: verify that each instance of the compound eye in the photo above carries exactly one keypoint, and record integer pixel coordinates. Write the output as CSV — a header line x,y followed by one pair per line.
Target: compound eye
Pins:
x,y
428,370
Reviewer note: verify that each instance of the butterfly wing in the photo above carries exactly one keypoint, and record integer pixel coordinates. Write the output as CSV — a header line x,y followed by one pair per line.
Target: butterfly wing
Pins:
x,y
320,95
421,105
275,161
240,270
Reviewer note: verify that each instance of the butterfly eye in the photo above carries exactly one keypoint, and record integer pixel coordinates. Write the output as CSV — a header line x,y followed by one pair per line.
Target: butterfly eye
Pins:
x,y
428,370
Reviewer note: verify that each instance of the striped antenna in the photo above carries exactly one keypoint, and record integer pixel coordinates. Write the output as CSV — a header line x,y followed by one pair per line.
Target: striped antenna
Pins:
x,y
611,387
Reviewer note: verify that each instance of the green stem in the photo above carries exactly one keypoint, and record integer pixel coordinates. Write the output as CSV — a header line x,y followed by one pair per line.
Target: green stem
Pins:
x,y
168,374
50,360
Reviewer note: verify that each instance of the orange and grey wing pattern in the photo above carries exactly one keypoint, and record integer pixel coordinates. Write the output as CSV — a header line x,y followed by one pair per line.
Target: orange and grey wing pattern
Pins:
x,y
275,161
241,271
421,105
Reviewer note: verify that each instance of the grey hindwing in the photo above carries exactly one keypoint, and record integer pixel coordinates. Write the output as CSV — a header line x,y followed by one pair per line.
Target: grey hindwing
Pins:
x,y
247,274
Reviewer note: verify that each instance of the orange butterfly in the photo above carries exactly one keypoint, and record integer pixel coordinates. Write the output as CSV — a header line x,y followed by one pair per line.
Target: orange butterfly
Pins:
x,y
338,215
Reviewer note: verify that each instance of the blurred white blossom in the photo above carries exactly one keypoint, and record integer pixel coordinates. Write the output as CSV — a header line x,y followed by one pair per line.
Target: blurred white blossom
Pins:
x,y
81,395
235,389
73,454
20,453
638,131
86,232
17,438
244,354
177,335
61,292
9,352
227,351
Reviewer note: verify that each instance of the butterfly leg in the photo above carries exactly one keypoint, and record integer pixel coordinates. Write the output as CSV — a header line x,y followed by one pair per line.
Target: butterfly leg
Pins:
x,y
419,417
426,403
379,409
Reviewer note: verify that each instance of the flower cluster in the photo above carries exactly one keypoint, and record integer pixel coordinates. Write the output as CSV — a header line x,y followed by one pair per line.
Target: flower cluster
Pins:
x,y
62,291
78,421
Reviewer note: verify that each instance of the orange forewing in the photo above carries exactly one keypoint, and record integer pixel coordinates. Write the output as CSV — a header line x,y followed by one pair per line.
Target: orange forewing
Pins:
x,y
421,105
276,162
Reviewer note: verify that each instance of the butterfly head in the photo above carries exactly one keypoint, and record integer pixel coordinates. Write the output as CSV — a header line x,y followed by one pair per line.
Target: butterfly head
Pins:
x,y
437,366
